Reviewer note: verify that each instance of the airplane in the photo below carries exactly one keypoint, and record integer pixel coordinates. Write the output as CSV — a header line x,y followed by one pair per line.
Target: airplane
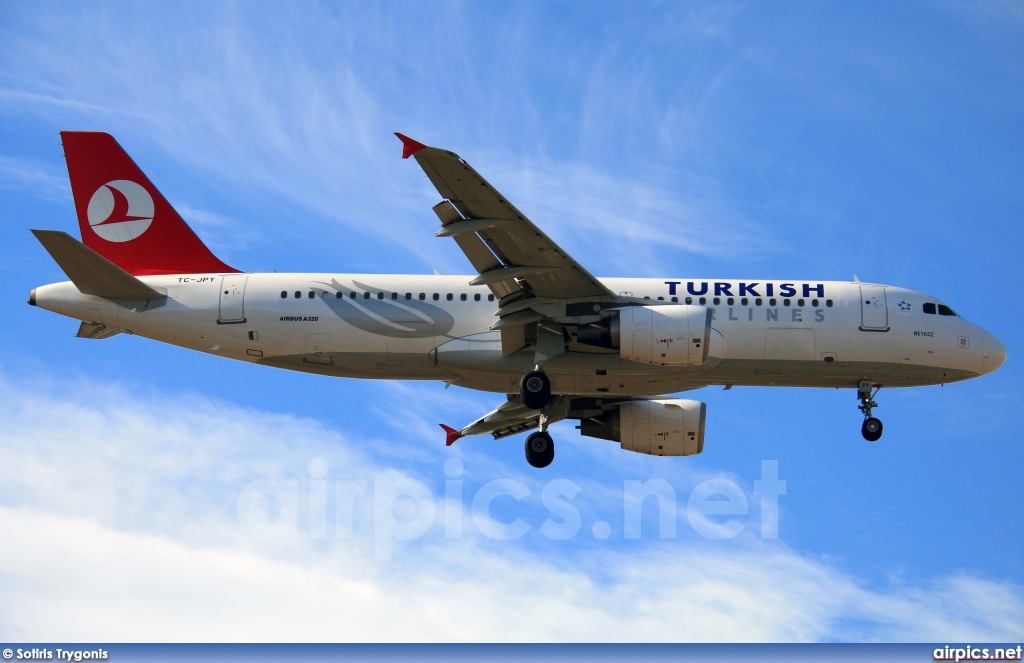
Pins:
x,y
532,323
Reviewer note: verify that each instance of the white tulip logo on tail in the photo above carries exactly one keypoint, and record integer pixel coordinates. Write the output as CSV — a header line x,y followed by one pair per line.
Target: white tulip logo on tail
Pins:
x,y
120,211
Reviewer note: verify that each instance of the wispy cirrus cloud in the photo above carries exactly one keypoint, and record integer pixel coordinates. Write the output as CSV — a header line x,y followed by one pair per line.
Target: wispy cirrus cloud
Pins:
x,y
35,178
311,136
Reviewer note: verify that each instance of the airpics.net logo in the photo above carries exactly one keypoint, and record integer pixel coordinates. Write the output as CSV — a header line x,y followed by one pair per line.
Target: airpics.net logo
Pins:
x,y
120,211
387,510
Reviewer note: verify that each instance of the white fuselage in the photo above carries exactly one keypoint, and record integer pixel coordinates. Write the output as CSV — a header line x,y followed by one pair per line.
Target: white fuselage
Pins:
x,y
784,333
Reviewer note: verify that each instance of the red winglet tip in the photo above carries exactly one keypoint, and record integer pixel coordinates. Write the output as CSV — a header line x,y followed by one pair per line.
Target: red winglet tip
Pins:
x,y
452,435
409,146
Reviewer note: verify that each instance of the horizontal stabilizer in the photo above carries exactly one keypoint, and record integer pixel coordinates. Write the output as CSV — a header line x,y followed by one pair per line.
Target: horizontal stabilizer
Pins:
x,y
91,273
97,331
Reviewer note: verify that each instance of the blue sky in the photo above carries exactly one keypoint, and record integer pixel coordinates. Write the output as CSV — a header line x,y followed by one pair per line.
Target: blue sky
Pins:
x,y
692,140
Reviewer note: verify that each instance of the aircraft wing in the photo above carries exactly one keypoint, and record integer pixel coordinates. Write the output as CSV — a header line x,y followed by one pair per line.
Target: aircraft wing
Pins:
x,y
509,252
509,418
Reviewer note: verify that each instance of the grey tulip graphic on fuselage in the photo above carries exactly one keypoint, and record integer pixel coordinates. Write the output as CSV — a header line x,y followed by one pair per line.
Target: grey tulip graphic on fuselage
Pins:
x,y
401,318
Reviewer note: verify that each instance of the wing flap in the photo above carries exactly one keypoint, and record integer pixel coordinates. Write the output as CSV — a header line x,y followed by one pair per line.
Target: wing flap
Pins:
x,y
96,331
511,418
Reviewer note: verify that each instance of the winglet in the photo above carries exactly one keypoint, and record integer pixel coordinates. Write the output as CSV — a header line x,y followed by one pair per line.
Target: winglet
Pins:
x,y
409,146
452,435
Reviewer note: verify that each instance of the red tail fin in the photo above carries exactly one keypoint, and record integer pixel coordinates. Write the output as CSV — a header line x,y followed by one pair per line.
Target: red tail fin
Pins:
x,y
124,217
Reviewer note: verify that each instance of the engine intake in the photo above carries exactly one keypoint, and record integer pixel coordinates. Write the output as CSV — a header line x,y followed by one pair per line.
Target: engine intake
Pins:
x,y
659,427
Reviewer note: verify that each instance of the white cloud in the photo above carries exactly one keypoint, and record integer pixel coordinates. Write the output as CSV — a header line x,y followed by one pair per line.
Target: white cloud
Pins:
x,y
119,520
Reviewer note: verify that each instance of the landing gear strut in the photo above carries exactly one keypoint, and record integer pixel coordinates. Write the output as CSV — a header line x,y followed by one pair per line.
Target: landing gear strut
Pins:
x,y
535,390
540,449
872,427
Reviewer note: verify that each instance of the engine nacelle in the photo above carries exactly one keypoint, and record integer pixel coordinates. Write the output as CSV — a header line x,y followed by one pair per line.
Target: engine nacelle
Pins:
x,y
677,335
659,427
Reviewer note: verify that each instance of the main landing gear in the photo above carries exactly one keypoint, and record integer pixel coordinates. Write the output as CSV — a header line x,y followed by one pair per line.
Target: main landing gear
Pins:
x,y
872,427
535,390
540,449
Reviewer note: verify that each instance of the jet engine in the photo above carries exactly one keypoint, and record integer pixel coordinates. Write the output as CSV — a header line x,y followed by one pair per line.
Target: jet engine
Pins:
x,y
659,427
676,335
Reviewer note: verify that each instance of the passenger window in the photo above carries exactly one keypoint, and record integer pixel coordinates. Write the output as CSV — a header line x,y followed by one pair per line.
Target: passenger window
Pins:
x,y
298,294
490,298
772,302
717,301
929,308
757,301
312,294
730,300
366,295
408,295
476,297
814,303
675,300
703,301
394,295
945,310
744,301
689,300
284,294
352,295
436,297
462,297
423,296
785,302
449,297
380,295
800,302
338,295
661,299
828,303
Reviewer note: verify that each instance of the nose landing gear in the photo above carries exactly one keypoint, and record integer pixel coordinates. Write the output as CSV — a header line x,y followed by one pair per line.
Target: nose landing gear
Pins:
x,y
872,427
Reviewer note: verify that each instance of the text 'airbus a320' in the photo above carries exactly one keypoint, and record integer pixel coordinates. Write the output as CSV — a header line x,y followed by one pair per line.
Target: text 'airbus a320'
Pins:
x,y
532,323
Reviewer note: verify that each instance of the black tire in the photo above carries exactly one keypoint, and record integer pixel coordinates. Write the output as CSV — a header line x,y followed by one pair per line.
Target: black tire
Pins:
x,y
540,450
872,429
535,390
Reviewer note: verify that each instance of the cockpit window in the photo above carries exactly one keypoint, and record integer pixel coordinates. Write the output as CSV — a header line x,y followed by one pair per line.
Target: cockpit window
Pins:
x,y
929,307
945,310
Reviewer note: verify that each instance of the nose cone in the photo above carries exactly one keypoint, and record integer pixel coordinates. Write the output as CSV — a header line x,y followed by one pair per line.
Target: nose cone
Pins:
x,y
995,354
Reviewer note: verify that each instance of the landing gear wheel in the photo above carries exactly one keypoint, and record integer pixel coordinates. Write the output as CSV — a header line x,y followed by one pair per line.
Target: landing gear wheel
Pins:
x,y
872,429
535,390
540,449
